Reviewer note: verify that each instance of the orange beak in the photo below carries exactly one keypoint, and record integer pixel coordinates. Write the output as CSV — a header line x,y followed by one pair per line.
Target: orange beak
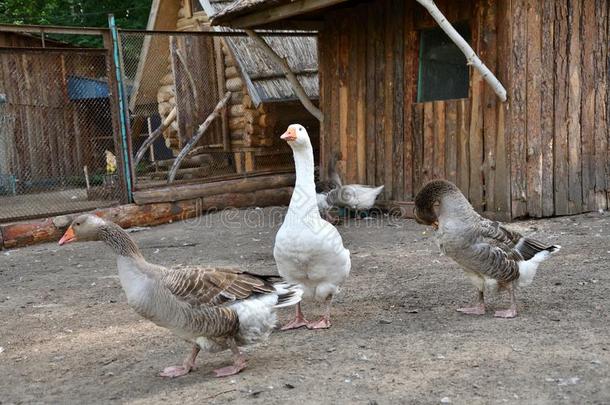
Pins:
x,y
68,237
289,135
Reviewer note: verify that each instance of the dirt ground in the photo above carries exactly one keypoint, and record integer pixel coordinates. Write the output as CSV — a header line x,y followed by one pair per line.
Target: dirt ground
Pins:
x,y
68,336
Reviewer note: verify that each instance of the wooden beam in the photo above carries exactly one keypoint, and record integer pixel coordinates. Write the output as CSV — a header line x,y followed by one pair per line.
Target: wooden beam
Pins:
x,y
276,13
200,131
51,29
205,190
294,82
19,234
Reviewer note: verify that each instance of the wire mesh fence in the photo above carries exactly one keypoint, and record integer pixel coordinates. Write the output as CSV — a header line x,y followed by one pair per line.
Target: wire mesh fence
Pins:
x,y
179,79
57,149
199,108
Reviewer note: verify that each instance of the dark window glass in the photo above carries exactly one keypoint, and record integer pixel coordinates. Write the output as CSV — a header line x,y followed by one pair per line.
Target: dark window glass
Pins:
x,y
196,6
443,73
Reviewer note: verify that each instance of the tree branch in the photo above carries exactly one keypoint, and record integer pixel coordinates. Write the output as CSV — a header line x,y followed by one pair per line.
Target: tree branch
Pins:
x,y
471,56
294,82
152,137
200,131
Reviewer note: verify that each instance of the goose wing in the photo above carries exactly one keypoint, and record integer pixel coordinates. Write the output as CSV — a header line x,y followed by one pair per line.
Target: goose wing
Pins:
x,y
211,286
495,249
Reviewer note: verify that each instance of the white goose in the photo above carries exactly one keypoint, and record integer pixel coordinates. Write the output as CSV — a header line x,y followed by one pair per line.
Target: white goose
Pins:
x,y
213,308
308,250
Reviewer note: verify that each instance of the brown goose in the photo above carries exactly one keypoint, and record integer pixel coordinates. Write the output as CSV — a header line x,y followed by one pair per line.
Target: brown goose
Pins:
x,y
485,249
213,308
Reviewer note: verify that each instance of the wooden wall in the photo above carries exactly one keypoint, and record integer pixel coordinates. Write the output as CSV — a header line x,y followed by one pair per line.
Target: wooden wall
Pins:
x,y
543,153
561,84
47,134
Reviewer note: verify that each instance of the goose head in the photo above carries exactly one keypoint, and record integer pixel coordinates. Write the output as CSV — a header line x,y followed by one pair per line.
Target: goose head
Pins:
x,y
296,136
426,199
85,227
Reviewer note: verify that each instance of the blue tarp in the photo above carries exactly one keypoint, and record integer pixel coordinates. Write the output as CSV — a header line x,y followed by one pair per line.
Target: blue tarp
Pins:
x,y
81,88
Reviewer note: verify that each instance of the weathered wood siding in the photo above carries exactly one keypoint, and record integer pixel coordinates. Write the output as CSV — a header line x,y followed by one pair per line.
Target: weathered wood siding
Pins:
x,y
47,133
543,153
196,86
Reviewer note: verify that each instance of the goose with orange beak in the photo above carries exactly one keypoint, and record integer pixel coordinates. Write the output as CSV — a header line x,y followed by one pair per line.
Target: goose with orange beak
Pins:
x,y
213,308
308,250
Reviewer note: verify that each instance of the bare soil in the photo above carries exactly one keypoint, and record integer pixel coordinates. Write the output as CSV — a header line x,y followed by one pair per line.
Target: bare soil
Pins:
x,y
68,336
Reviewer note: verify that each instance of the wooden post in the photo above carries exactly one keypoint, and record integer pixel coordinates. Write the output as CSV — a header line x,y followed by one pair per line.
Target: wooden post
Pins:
x,y
115,113
461,43
294,82
151,150
220,77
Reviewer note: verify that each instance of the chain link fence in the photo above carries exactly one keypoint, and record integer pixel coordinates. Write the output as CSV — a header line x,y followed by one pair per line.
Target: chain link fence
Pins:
x,y
179,79
201,107
57,149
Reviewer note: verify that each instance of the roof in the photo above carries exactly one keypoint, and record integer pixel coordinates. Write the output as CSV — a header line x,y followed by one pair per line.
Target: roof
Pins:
x,y
265,80
251,13
241,7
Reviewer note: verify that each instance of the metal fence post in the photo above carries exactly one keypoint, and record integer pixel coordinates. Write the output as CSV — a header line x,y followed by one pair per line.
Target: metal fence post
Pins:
x,y
123,111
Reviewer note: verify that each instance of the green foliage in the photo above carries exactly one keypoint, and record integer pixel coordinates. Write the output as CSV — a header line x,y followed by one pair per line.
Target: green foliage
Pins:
x,y
80,13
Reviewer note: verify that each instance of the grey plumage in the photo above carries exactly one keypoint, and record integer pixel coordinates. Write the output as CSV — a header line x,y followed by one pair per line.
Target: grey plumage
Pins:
x,y
484,248
214,308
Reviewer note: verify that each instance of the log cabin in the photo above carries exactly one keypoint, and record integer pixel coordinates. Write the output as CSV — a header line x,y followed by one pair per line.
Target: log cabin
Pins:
x,y
401,106
262,102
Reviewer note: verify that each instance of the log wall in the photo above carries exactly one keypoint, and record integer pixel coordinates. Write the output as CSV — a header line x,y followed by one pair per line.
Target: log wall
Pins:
x,y
543,153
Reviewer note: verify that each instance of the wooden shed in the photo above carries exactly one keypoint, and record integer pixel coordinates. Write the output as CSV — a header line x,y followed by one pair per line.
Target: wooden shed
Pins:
x,y
50,123
261,98
401,106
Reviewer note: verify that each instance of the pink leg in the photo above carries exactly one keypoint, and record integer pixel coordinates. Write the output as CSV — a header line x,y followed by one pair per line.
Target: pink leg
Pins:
x,y
239,362
177,371
511,312
298,321
324,322
478,309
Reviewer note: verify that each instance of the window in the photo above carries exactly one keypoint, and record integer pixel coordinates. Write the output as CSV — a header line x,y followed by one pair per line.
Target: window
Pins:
x,y
443,73
196,6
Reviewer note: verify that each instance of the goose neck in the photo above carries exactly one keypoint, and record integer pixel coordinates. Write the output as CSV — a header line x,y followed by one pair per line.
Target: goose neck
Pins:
x,y
119,241
304,195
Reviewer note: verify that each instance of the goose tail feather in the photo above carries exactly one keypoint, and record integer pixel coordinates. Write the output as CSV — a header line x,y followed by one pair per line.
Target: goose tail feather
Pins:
x,y
288,294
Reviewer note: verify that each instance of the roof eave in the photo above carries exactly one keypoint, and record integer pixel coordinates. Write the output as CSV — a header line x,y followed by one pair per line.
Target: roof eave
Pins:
x,y
246,18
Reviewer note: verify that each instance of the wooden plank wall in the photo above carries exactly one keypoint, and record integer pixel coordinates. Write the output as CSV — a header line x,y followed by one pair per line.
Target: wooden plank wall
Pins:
x,y
368,72
543,153
46,134
558,106
441,138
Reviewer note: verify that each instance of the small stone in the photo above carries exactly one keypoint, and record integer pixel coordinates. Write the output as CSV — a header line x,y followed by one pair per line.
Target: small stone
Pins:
x,y
289,386
445,400
385,321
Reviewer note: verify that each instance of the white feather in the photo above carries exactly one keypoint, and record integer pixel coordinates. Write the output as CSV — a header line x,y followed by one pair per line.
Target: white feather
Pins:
x,y
256,317
527,268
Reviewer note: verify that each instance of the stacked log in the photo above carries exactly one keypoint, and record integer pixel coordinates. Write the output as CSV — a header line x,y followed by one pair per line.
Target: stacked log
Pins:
x,y
50,229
